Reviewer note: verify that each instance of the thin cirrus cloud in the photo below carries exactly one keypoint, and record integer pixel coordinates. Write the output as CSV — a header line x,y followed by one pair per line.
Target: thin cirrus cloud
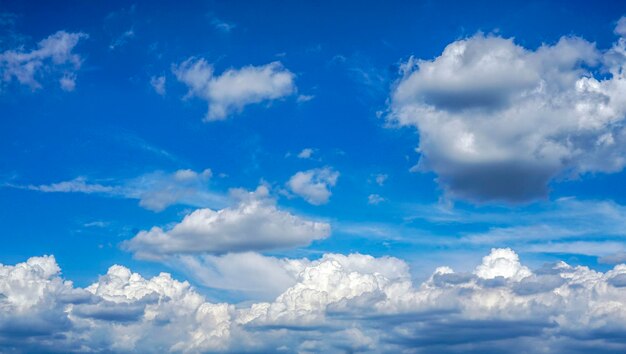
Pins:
x,y
53,56
230,92
155,191
314,185
499,306
254,224
498,122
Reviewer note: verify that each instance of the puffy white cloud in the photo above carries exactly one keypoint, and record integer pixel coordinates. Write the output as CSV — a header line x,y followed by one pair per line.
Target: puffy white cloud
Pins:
x,y
337,302
155,191
254,224
53,54
314,185
234,89
498,121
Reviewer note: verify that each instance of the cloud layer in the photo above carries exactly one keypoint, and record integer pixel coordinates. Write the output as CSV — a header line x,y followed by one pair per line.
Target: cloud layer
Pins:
x,y
234,89
337,303
498,122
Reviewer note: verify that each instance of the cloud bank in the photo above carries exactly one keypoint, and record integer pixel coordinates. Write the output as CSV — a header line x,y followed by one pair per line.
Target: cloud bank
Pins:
x,y
498,122
339,302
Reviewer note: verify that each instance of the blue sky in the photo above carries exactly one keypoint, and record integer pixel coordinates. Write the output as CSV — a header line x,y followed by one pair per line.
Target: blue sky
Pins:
x,y
235,145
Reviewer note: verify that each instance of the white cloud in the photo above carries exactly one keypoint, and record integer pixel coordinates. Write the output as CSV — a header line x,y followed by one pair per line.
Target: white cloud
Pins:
x,y
336,302
304,98
620,29
223,26
250,274
498,121
53,54
306,153
381,178
375,199
234,89
314,185
158,84
155,191
255,224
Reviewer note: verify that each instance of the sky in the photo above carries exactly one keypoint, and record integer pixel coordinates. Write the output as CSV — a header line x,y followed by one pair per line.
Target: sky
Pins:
x,y
313,176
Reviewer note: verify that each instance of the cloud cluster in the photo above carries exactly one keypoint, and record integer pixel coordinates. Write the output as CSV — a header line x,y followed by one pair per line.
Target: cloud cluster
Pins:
x,y
255,224
337,303
53,54
155,191
234,89
314,185
498,122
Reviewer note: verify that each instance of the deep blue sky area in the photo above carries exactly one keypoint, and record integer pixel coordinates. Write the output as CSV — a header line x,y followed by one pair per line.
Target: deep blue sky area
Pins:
x,y
346,54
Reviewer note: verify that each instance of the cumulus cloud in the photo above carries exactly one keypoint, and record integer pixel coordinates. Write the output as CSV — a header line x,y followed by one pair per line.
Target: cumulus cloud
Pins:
x,y
255,224
314,185
53,54
336,303
498,122
234,89
155,191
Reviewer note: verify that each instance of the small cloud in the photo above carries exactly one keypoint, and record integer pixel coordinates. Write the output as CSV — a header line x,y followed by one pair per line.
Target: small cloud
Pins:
x,y
306,153
223,26
68,82
381,178
375,199
314,185
158,84
305,98
234,89
122,39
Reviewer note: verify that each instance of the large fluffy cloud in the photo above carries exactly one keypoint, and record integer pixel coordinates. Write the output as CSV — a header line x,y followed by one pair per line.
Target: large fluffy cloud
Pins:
x,y
234,89
498,121
337,303
53,54
255,224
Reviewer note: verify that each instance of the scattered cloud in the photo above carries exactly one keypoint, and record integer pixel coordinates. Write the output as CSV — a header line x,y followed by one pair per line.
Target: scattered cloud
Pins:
x,y
155,191
375,199
499,306
305,98
223,26
122,39
255,224
314,185
498,122
158,84
53,54
306,153
381,178
234,89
